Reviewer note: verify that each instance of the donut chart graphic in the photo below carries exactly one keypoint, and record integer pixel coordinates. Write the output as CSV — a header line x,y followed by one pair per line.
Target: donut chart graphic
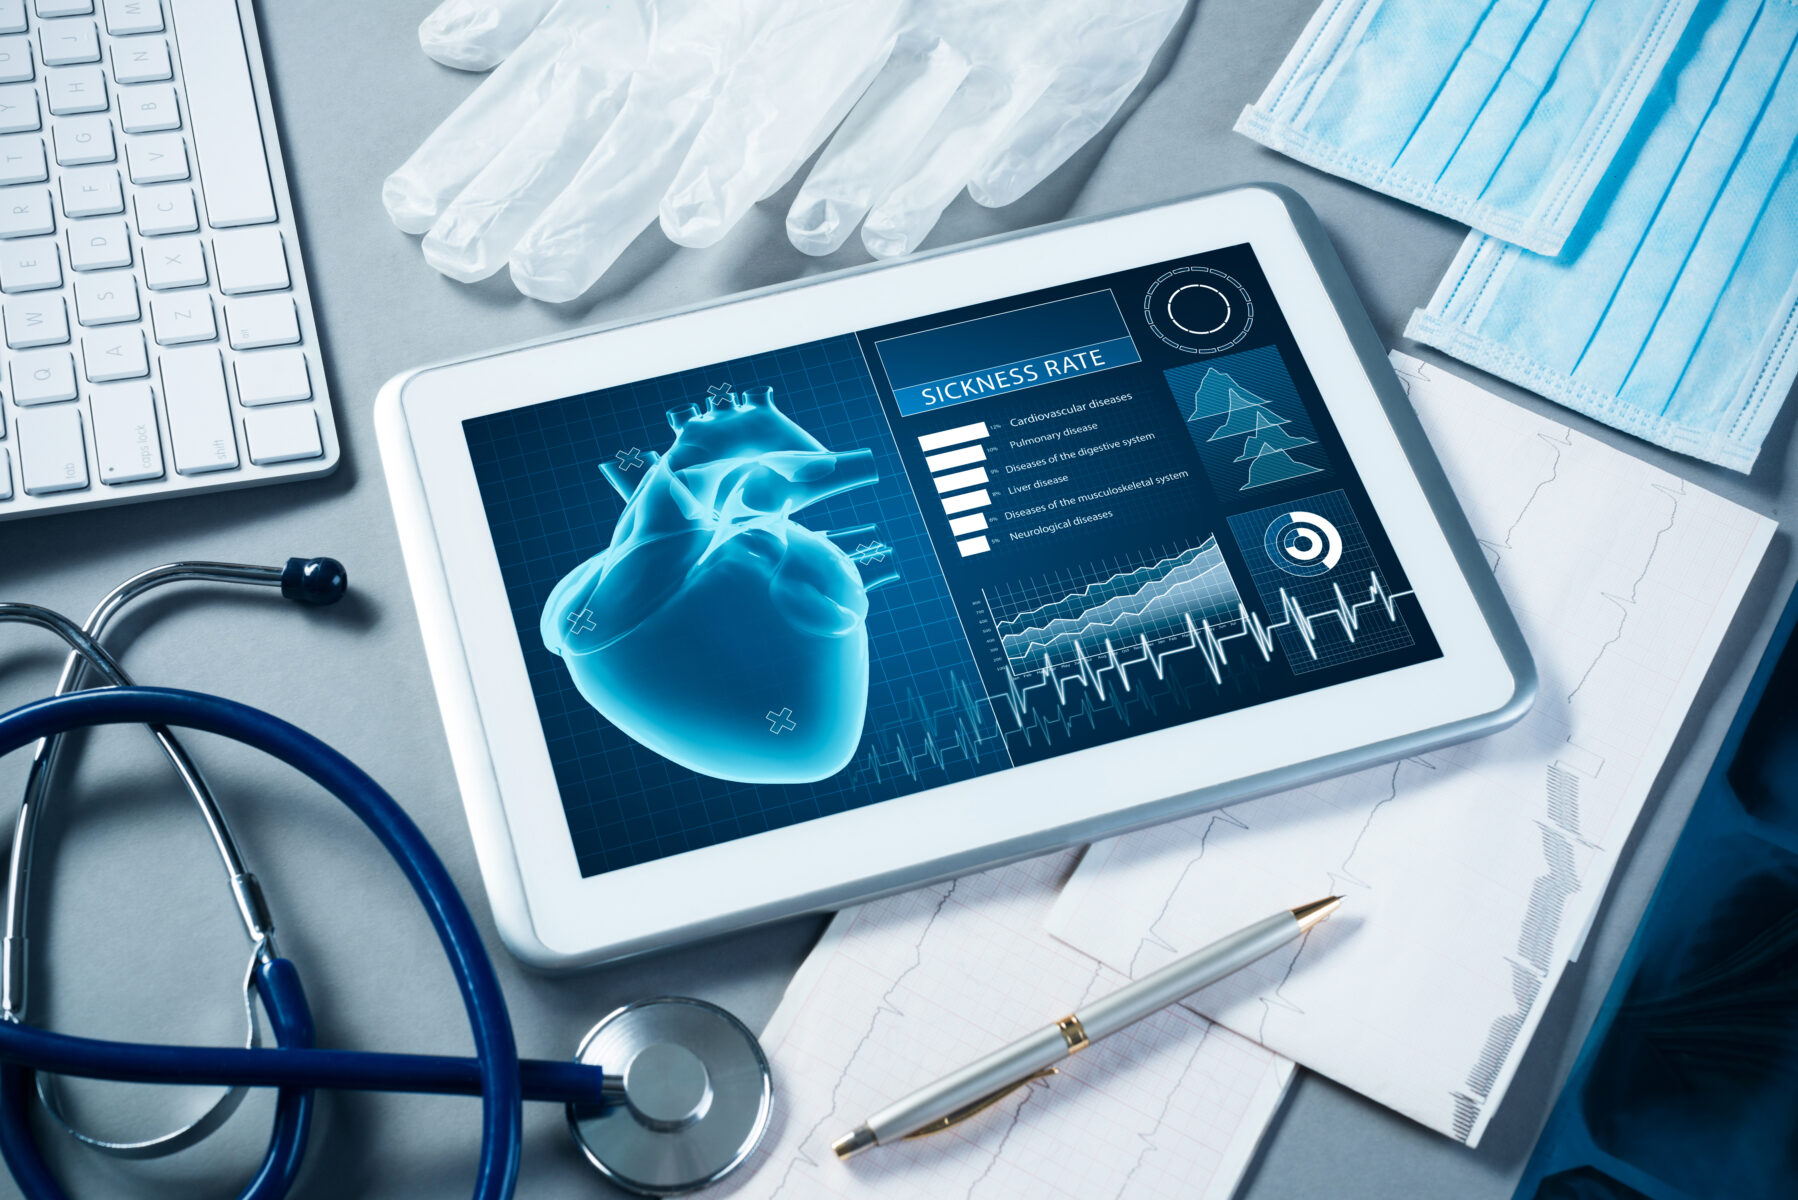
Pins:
x,y
1303,544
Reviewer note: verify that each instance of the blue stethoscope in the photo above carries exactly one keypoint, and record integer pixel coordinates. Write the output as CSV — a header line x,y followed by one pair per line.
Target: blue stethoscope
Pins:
x,y
689,1106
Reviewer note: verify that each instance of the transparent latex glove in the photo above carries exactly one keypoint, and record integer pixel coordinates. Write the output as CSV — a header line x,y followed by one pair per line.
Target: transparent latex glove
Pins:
x,y
991,95
563,155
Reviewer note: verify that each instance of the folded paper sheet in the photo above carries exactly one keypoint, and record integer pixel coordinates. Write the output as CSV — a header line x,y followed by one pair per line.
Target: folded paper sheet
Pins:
x,y
901,991
1471,873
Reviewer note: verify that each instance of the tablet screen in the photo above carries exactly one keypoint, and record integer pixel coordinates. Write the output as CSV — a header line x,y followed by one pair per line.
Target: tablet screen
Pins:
x,y
778,587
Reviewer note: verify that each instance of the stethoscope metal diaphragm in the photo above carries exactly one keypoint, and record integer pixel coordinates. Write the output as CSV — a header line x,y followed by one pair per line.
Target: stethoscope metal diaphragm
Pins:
x,y
693,1099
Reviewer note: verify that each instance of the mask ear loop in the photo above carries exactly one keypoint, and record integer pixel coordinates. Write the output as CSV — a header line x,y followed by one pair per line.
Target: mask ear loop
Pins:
x,y
194,1132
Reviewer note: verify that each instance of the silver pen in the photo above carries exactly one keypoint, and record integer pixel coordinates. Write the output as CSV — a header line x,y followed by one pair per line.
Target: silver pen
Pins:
x,y
983,1083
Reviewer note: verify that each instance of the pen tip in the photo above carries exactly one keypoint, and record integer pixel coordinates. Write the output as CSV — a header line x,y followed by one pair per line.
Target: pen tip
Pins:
x,y
1310,914
853,1142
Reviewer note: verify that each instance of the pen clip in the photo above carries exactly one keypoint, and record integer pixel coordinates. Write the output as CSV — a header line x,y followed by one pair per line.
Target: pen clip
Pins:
x,y
979,1106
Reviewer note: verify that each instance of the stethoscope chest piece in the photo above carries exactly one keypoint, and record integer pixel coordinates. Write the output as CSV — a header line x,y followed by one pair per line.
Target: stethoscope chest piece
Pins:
x,y
693,1102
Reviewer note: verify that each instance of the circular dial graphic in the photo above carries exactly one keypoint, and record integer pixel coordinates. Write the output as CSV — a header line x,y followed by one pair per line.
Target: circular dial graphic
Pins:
x,y
1303,544
1199,310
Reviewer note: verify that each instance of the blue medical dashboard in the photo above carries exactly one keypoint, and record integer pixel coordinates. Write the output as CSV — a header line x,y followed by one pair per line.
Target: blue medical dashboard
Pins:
x,y
779,587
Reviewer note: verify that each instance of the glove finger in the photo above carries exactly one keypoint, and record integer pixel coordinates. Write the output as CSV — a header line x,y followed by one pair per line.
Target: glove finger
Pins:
x,y
474,35
822,57
469,137
880,134
612,198
1086,95
833,116
982,113
475,234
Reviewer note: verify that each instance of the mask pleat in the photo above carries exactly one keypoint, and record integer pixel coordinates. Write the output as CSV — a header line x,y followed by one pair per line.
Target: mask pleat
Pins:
x,y
1554,87
1673,314
1700,336
1463,93
1379,95
1690,166
1503,114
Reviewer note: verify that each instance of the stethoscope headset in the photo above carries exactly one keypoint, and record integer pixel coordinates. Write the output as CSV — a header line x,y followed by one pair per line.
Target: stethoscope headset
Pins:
x,y
689,1106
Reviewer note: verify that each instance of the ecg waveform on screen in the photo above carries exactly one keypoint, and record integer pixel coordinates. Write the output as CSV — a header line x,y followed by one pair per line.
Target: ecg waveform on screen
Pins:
x,y
952,738
1098,645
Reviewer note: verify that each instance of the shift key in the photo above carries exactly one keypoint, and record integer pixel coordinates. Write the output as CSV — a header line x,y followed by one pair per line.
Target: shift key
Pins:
x,y
193,387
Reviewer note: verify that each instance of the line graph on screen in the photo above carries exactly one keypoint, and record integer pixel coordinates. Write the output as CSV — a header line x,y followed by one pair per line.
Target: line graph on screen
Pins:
x,y
1100,636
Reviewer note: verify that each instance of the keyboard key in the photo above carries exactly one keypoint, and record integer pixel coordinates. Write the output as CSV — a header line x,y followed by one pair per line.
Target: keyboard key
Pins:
x,y
5,475
99,245
279,435
92,192
125,17
262,321
141,60
127,446
221,110
52,453
30,266
12,16
76,90
43,377
36,321
106,298
18,109
22,159
250,260
183,318
115,354
82,141
65,43
16,64
25,212
273,377
157,158
163,210
64,8
174,263
193,388
148,109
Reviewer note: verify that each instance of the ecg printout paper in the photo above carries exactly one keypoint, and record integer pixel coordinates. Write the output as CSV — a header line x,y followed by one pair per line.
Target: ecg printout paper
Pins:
x,y
904,990
1471,873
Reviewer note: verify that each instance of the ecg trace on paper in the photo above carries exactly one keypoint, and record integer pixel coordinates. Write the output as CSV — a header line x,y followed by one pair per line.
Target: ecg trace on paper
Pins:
x,y
901,991
1471,873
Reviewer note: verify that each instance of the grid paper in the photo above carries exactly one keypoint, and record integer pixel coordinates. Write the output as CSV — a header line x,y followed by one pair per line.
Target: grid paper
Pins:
x,y
901,991
1471,873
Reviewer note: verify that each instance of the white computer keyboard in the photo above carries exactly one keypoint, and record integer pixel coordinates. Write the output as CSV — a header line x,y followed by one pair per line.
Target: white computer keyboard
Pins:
x,y
158,332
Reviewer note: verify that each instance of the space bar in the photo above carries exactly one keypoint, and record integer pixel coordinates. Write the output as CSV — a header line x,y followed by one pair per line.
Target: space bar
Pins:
x,y
221,106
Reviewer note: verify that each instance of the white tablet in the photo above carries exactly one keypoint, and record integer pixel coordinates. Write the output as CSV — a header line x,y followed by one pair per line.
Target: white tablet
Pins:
x,y
842,587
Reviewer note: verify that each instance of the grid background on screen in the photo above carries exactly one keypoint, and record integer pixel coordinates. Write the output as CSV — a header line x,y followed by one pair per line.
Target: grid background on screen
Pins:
x,y
549,508
1346,607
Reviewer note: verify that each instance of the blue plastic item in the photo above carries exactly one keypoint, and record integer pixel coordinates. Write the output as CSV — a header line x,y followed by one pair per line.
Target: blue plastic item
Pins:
x,y
715,629
1687,1087
495,1072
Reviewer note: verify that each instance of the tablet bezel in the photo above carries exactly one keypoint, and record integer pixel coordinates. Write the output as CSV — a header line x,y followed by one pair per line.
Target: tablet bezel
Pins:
x,y
549,915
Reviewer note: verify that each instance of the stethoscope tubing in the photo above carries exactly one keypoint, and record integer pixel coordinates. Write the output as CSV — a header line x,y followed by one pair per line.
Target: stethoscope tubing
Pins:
x,y
337,1070
495,1069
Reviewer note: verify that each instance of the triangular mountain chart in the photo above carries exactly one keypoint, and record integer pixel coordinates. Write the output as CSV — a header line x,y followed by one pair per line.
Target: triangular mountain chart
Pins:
x,y
1267,442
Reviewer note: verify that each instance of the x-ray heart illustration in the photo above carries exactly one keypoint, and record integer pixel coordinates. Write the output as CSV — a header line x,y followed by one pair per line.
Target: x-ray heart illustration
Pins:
x,y
715,629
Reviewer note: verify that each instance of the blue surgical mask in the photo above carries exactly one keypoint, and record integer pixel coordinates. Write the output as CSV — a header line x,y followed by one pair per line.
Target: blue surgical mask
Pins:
x,y
1673,312
1503,115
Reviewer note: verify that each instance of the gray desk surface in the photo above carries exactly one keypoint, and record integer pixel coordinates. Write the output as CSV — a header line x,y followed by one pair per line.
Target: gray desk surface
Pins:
x,y
139,938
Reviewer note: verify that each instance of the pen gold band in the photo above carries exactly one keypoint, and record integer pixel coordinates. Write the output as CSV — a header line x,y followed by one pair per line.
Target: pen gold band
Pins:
x,y
1073,1033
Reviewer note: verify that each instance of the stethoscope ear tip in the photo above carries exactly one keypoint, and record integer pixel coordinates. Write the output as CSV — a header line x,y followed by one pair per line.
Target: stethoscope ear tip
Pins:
x,y
314,581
